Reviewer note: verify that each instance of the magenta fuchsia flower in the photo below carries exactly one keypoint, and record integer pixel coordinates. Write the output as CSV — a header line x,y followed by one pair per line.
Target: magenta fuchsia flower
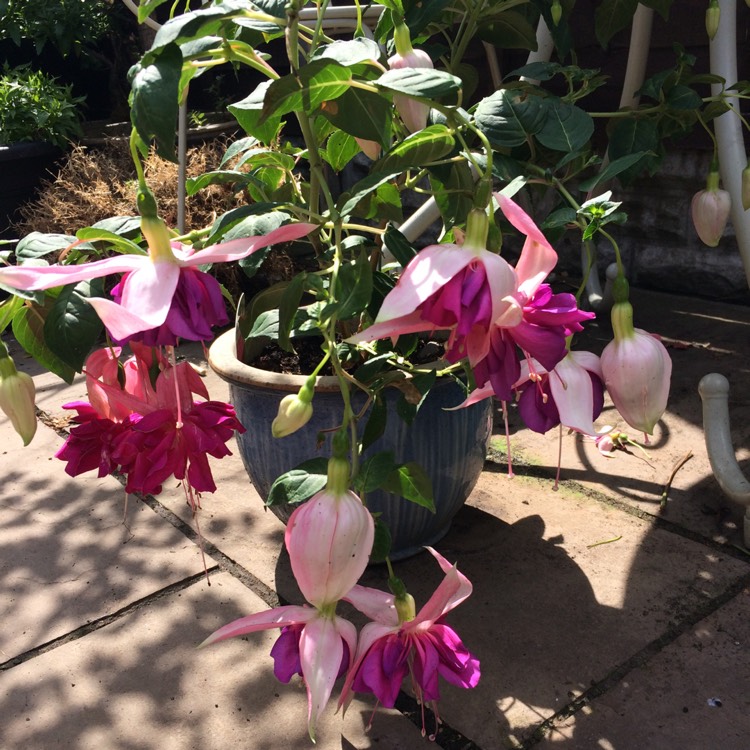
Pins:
x,y
149,433
572,394
460,288
162,293
637,371
317,645
423,647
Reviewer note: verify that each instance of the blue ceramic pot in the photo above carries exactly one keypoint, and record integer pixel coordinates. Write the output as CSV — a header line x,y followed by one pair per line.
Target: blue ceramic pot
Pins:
x,y
451,446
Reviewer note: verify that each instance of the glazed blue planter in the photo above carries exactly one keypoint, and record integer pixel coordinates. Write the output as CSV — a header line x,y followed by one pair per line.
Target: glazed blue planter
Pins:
x,y
450,446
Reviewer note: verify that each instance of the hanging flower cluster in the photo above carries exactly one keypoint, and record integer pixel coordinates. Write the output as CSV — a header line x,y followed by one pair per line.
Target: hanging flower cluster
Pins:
x,y
329,539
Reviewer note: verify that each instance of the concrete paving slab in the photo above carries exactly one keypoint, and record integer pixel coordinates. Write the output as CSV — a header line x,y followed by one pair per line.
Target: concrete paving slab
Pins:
x,y
68,551
694,694
140,684
554,609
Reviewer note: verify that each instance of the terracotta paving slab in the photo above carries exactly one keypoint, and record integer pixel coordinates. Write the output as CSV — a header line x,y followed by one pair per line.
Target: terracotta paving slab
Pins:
x,y
66,557
140,684
671,701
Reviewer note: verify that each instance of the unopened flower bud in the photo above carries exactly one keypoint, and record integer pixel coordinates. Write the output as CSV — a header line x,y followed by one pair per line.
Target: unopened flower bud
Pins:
x,y
405,607
713,13
413,113
710,210
556,12
17,399
746,186
295,410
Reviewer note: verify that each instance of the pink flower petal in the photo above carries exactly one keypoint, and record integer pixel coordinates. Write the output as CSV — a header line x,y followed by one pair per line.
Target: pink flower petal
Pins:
x,y
278,617
374,603
453,589
573,394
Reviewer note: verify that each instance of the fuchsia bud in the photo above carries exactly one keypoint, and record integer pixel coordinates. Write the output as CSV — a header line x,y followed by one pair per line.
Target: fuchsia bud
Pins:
x,y
295,410
556,12
413,113
710,209
636,368
329,539
713,14
17,397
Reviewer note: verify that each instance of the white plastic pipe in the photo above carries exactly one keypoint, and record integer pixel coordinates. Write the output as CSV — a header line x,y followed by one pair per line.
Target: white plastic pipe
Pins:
x,y
728,128
714,392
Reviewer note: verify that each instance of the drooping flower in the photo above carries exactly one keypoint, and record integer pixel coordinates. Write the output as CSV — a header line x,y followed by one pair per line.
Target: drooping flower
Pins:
x,y
414,113
163,288
459,288
17,394
391,647
572,394
710,210
329,539
636,369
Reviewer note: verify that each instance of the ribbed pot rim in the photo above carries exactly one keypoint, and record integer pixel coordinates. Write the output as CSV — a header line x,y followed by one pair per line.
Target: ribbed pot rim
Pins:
x,y
222,357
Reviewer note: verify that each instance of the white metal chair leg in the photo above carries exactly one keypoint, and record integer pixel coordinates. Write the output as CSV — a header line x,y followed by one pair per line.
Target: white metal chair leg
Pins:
x,y
714,392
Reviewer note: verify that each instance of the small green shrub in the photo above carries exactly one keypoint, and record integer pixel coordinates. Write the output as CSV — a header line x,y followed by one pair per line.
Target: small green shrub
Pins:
x,y
34,107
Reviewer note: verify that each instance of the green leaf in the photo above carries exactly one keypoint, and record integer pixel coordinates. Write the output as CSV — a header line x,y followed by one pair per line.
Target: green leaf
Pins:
x,y
147,7
38,244
353,287
265,325
252,226
381,546
566,127
121,244
419,15
8,308
28,328
217,177
288,307
612,170
122,225
412,483
72,326
362,114
231,218
539,71
376,421
403,251
200,22
375,471
248,114
318,82
419,82
348,201
430,144
299,484
341,148
509,116
238,147
508,30
559,218
683,97
631,137
351,52
154,100
613,16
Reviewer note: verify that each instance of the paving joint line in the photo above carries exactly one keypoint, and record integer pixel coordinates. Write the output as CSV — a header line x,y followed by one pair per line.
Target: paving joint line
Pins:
x,y
101,622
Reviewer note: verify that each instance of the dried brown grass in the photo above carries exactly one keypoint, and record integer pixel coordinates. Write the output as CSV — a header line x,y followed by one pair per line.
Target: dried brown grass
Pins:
x,y
98,182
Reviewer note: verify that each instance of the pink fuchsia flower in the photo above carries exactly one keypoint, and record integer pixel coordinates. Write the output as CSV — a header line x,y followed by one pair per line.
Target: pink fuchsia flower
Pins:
x,y
414,113
710,209
423,647
329,539
163,288
460,288
637,371
317,645
572,394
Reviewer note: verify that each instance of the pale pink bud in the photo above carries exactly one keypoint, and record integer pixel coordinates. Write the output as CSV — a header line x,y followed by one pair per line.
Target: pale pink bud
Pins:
x,y
637,371
329,539
710,209
17,394
370,149
413,113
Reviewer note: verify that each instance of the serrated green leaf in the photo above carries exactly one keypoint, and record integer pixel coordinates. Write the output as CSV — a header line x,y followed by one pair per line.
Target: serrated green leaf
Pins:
x,y
72,326
412,483
683,97
374,471
419,82
266,324
362,114
566,127
154,100
613,16
299,484
317,82
28,328
509,116
430,144
341,148
248,114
